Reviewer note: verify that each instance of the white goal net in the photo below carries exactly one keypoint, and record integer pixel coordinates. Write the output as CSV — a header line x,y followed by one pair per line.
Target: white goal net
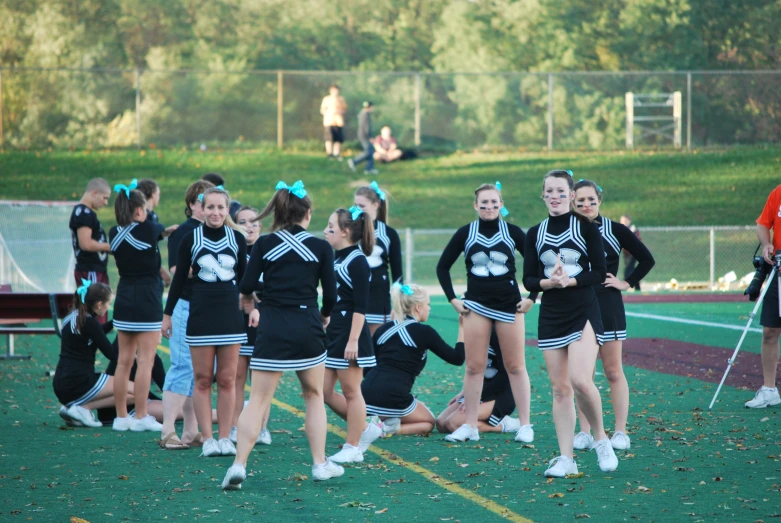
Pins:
x,y
36,253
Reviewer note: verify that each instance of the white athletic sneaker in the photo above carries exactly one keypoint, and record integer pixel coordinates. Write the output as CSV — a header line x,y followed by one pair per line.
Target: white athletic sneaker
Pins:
x,y
84,416
525,434
510,424
463,433
620,441
369,434
765,397
210,448
390,426
235,475
348,454
561,467
227,448
147,423
608,462
264,438
122,424
234,435
68,420
326,470
583,441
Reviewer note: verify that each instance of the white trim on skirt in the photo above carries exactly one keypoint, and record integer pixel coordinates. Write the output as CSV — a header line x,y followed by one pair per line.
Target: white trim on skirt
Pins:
x,y
614,335
371,410
134,326
215,339
91,393
489,313
377,319
564,341
286,365
246,350
340,363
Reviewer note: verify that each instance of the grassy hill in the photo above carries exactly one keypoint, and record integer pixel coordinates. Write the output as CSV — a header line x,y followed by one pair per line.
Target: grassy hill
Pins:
x,y
721,187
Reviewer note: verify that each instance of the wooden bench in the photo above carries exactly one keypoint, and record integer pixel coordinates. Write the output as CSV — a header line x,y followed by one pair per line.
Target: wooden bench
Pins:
x,y
22,308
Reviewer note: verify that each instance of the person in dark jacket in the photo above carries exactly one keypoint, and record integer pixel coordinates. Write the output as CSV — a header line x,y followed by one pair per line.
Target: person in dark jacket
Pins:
x,y
365,137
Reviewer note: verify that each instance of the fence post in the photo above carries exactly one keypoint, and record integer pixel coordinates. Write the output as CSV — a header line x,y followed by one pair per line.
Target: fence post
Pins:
x,y
712,256
689,111
417,110
550,111
280,110
2,138
629,101
409,247
138,105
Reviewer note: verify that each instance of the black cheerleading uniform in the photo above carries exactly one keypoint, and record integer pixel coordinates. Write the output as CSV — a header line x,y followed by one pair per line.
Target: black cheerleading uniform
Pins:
x,y
185,229
218,257
489,252
352,296
290,334
401,348
75,380
248,347
138,306
86,261
387,251
615,237
564,312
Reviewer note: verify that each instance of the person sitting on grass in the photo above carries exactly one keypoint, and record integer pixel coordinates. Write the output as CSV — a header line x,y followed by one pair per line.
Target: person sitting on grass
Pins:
x,y
401,347
385,148
76,384
496,400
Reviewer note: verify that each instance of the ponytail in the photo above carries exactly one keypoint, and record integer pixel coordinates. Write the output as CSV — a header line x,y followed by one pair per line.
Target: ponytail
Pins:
x,y
126,204
374,194
86,297
404,298
359,228
288,207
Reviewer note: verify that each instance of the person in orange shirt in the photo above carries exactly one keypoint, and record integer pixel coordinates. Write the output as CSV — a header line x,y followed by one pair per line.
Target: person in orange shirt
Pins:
x,y
333,108
770,218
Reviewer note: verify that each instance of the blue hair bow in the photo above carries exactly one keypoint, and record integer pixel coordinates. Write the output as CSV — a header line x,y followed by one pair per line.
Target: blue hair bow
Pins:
x,y
220,187
406,289
504,212
355,211
377,189
569,172
297,188
83,289
598,187
200,197
118,188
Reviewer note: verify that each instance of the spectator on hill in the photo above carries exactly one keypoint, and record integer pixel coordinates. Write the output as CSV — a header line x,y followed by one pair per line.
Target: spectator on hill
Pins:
x,y
365,137
385,148
333,108
219,181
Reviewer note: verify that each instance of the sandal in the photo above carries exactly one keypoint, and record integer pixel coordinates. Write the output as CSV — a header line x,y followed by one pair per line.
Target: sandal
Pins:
x,y
196,442
172,442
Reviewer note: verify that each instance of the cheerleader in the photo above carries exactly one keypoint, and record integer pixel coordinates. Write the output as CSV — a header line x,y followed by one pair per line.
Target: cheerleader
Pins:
x,y
588,198
290,333
564,259
246,218
350,349
402,346
179,381
217,253
496,399
76,384
387,251
138,308
492,300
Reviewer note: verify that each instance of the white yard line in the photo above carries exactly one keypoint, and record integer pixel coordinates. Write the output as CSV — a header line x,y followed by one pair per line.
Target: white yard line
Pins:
x,y
691,322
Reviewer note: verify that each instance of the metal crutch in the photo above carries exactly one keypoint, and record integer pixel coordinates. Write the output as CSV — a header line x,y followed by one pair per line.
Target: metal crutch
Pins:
x,y
743,336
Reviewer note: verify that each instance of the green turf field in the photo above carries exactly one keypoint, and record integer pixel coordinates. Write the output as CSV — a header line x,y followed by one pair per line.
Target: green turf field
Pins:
x,y
686,463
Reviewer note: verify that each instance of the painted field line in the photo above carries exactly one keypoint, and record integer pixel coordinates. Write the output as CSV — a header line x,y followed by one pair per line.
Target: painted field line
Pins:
x,y
485,503
691,322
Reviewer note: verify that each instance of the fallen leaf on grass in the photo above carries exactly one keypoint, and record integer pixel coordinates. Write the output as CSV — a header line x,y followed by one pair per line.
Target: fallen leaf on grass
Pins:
x,y
717,478
643,489
382,511
434,459
122,477
556,495
764,419
300,477
462,465
573,476
74,519
582,516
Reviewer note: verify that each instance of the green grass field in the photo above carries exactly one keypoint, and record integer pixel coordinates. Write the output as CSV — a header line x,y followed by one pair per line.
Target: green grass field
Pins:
x,y
686,463
709,187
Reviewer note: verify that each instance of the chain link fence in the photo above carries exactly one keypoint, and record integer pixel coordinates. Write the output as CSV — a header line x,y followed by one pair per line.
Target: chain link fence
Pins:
x,y
92,108
695,257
